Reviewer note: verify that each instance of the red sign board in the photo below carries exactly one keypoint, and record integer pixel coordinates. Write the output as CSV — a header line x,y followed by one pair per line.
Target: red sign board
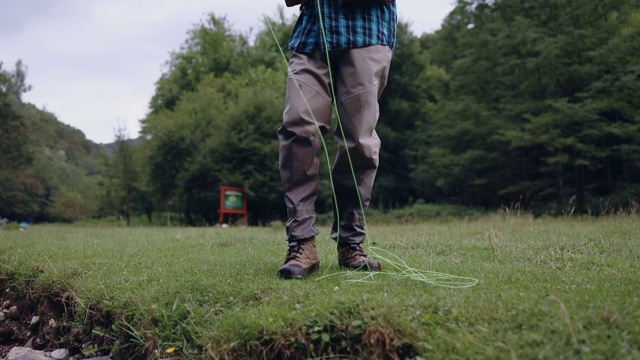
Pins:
x,y
233,200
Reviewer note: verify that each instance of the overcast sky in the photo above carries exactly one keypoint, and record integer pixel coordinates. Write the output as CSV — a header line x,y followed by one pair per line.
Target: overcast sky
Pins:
x,y
94,63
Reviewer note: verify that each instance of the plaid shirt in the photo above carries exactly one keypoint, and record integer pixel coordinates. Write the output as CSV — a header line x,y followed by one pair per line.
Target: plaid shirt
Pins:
x,y
348,25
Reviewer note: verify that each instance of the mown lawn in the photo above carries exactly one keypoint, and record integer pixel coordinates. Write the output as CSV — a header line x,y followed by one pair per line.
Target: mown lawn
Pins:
x,y
548,288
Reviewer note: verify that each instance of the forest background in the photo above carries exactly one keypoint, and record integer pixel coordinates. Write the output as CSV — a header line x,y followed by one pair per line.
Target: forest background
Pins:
x,y
511,103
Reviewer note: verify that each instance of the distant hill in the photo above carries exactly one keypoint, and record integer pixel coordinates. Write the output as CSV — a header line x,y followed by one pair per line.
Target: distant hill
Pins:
x,y
111,148
49,134
58,175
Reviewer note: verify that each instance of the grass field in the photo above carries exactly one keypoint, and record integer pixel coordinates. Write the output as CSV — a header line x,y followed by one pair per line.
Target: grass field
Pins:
x,y
551,288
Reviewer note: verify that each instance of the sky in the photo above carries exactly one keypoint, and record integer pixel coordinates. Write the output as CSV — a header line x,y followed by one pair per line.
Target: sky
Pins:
x,y
94,63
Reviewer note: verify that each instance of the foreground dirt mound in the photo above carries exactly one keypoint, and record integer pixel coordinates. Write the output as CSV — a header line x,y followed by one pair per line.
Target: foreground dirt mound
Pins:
x,y
49,321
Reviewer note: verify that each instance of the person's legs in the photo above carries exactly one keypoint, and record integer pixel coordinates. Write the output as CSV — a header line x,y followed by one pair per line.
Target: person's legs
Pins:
x,y
307,114
308,100
361,77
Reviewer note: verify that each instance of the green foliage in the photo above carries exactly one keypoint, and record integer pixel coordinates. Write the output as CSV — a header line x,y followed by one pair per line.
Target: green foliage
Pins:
x,y
12,226
414,87
14,83
19,190
125,192
211,48
530,115
421,211
67,205
220,131
265,49
48,171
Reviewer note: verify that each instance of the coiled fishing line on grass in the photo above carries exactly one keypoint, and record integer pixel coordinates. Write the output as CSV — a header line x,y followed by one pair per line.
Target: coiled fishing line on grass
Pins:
x,y
405,272
401,269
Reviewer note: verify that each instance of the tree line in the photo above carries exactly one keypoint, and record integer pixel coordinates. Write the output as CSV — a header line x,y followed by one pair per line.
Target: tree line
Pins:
x,y
509,103
49,171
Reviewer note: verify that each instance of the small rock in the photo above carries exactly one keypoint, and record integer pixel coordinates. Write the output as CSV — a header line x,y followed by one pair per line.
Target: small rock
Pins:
x,y
34,321
22,353
6,304
13,312
60,354
30,357
2,316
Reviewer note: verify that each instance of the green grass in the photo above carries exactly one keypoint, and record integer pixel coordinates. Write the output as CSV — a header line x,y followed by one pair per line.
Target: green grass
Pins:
x,y
548,288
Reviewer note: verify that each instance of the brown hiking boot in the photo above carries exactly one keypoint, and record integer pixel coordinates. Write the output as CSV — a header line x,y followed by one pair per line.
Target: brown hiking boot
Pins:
x,y
302,260
353,257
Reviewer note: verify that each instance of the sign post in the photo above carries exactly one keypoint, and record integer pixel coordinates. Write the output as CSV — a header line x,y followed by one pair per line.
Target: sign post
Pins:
x,y
233,200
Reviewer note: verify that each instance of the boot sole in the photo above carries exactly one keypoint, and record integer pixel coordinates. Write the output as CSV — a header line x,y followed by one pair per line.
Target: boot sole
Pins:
x,y
288,275
364,267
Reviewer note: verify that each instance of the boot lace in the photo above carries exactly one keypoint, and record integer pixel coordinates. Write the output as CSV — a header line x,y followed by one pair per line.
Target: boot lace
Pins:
x,y
294,252
356,251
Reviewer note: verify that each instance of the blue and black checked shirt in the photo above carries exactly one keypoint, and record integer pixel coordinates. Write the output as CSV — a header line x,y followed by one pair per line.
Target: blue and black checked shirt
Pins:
x,y
348,25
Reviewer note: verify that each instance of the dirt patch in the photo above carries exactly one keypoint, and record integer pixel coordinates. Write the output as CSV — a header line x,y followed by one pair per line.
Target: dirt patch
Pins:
x,y
354,340
50,320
